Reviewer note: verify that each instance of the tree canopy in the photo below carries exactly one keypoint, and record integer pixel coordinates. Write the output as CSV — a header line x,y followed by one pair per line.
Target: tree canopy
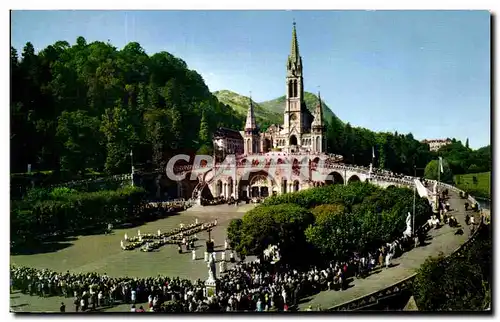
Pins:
x,y
87,105
333,221
457,283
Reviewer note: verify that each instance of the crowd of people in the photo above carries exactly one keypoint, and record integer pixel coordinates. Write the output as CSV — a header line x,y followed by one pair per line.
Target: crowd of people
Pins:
x,y
178,236
248,286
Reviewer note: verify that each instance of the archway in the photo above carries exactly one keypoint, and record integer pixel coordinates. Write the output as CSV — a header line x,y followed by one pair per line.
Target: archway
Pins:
x,y
296,185
334,178
353,178
218,188
293,140
256,184
260,186
230,187
267,145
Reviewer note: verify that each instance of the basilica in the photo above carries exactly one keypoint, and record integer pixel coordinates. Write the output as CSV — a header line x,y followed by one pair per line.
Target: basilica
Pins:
x,y
301,131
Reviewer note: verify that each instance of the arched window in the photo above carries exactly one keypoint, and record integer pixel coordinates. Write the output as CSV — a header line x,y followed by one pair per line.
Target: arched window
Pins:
x,y
318,144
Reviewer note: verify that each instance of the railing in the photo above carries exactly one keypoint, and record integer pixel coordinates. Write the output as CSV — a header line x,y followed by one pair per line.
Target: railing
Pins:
x,y
372,298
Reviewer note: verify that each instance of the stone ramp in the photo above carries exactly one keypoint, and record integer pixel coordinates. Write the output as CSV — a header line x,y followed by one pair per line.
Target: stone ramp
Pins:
x,y
443,240
225,208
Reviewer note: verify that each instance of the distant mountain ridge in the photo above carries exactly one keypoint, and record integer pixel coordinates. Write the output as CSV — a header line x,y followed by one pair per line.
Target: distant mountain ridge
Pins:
x,y
269,112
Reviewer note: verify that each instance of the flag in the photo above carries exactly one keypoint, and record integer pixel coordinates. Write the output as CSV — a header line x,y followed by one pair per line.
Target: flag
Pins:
x,y
441,164
373,152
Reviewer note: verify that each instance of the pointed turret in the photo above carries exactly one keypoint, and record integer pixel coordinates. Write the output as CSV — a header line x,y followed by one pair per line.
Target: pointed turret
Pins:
x,y
250,124
294,53
294,65
318,114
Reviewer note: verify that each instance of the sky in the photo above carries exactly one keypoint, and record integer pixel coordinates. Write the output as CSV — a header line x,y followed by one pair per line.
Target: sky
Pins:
x,y
420,72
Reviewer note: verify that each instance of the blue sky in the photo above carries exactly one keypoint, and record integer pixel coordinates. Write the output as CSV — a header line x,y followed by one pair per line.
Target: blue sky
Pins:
x,y
424,72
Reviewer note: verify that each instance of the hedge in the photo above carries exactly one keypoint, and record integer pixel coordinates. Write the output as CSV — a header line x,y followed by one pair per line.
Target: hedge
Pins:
x,y
44,214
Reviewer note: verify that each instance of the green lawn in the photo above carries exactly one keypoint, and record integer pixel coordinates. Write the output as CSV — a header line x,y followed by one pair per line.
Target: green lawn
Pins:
x,y
480,188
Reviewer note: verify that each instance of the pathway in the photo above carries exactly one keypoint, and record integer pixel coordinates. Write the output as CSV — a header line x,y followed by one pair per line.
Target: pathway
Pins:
x,y
443,240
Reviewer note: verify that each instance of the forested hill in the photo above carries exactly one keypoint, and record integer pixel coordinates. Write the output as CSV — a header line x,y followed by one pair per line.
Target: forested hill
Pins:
x,y
87,105
271,111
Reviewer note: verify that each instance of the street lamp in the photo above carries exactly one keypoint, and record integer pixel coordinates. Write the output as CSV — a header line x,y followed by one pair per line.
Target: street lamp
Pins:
x,y
414,202
132,166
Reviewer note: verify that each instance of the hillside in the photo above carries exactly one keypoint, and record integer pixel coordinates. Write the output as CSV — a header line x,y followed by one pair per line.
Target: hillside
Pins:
x,y
268,112
240,103
278,105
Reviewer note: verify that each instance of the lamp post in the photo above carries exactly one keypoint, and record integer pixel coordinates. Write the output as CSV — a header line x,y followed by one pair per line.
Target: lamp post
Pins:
x,y
414,202
132,167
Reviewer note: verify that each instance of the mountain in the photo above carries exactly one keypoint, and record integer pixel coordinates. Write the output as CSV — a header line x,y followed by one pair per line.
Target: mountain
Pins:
x,y
240,103
277,105
268,112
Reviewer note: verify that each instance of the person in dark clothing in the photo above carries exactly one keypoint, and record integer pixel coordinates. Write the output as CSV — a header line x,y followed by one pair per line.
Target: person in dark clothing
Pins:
x,y
77,304
62,309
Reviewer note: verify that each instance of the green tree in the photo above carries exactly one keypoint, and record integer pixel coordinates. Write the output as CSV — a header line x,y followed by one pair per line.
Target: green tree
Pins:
x,y
458,283
204,135
432,168
272,225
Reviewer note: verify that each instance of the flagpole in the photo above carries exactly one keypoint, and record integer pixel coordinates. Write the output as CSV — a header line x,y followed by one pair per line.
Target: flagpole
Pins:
x,y
414,202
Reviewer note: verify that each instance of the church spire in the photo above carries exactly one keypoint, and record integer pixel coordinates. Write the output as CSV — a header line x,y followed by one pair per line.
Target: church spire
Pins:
x,y
250,124
319,108
294,65
294,53
318,115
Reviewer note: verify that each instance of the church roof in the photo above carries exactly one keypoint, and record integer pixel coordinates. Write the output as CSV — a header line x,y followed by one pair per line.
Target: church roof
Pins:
x,y
224,132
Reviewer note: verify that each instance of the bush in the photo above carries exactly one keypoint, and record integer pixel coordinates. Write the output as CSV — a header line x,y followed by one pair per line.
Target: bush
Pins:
x,y
68,211
333,194
432,169
343,219
272,225
457,283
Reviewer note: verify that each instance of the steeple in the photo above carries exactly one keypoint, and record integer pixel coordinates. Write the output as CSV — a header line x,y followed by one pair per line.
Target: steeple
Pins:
x,y
250,124
294,53
318,115
294,64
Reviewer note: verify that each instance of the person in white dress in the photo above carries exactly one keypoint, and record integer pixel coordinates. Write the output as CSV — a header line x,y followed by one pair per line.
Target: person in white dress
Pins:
x,y
226,244
126,237
159,232
139,233
223,256
193,252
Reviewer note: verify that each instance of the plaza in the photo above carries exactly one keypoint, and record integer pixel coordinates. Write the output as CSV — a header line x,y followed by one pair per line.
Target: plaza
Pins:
x,y
102,254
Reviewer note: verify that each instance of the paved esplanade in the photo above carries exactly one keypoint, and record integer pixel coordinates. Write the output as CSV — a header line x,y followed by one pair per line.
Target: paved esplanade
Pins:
x,y
443,240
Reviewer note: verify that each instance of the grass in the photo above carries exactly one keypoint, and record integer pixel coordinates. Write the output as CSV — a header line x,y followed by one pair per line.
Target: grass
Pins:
x,y
481,188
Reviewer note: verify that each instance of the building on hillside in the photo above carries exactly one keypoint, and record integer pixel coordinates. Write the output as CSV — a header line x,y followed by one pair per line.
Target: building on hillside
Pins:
x,y
436,144
226,141
301,131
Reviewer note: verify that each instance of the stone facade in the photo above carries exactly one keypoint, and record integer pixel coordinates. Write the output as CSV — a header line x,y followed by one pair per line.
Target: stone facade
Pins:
x,y
436,144
301,131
